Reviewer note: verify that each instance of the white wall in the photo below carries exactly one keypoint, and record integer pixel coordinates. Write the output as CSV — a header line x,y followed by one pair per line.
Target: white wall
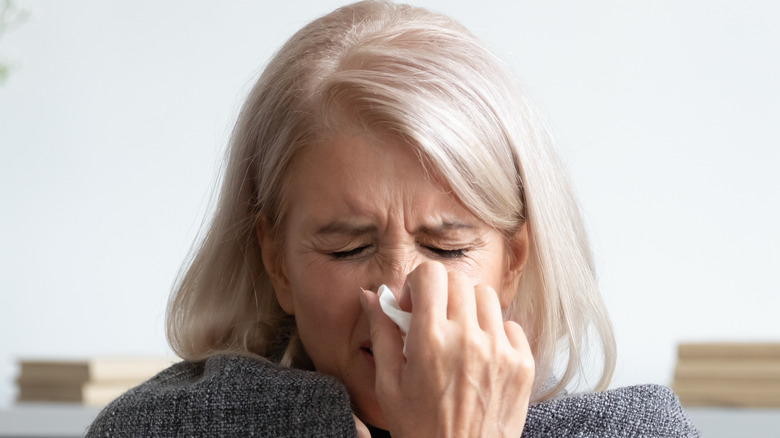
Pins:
x,y
113,125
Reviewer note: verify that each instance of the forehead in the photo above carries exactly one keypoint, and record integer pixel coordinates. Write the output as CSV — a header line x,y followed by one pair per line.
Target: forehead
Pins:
x,y
367,175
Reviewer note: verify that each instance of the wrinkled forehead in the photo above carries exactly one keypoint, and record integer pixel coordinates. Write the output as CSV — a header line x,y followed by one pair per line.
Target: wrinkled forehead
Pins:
x,y
368,179
343,131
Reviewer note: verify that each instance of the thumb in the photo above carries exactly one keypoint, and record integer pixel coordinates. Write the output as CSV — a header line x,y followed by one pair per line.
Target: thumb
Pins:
x,y
362,429
386,340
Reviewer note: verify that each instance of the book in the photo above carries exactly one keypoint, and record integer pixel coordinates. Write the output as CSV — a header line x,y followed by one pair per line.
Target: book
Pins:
x,y
729,350
753,397
728,374
90,394
94,370
735,369
92,382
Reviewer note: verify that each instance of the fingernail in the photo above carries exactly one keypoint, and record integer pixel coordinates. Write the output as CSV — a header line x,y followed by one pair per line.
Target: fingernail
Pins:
x,y
363,298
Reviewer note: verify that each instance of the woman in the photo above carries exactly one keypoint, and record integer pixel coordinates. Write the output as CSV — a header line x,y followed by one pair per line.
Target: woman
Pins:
x,y
384,145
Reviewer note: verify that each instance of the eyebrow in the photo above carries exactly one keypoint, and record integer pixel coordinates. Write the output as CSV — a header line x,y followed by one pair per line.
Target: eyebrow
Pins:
x,y
444,227
345,228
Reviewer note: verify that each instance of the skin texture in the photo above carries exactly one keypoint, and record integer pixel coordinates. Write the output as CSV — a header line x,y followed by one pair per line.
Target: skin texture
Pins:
x,y
364,212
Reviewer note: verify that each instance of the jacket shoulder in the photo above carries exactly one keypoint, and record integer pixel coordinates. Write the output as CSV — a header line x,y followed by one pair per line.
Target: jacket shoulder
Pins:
x,y
642,410
229,395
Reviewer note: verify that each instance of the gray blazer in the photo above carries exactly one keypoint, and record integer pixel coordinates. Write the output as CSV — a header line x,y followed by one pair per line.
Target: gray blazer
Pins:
x,y
240,396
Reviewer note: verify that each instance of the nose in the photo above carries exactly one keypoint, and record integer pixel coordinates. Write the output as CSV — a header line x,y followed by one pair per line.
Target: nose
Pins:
x,y
391,270
395,277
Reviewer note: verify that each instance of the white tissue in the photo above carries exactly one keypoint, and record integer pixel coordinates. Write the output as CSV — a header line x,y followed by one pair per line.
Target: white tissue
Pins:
x,y
390,307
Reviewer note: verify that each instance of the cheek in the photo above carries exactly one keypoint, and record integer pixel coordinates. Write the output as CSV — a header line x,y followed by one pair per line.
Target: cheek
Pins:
x,y
327,309
320,283
498,270
321,295
488,268
491,269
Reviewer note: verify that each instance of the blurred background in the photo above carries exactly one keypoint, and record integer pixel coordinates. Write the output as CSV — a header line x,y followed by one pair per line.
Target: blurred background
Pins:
x,y
114,117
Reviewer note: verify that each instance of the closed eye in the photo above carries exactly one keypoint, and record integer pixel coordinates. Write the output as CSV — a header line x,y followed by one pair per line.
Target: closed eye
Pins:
x,y
350,253
446,253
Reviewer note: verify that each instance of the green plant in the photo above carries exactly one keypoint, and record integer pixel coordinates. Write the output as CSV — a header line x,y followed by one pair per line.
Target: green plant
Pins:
x,y
11,16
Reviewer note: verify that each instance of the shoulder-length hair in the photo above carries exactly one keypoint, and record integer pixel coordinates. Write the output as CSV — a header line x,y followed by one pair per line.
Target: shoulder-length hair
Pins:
x,y
410,72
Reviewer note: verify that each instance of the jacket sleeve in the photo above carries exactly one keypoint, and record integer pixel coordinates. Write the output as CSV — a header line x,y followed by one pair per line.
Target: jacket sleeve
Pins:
x,y
229,396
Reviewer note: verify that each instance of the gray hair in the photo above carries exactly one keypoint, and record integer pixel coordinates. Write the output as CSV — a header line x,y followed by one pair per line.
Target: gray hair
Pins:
x,y
410,72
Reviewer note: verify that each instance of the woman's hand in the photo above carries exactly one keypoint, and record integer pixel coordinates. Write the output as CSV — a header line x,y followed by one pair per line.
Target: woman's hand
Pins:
x,y
362,429
467,373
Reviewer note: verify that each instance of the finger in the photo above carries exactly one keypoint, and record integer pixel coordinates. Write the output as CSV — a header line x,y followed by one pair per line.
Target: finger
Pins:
x,y
362,429
427,287
489,313
386,340
404,298
519,341
461,301
516,336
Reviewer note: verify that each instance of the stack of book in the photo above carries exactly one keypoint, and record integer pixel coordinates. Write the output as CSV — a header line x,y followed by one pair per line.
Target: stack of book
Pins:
x,y
93,382
728,374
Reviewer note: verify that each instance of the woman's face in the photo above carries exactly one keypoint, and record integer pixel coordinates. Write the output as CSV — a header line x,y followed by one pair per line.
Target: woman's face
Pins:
x,y
363,212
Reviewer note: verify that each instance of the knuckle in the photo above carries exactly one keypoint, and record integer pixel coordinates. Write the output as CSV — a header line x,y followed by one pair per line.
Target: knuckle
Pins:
x,y
526,364
514,327
523,364
435,341
475,344
525,369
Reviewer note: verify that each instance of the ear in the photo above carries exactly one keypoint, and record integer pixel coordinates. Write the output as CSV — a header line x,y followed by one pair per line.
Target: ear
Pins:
x,y
517,256
272,261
